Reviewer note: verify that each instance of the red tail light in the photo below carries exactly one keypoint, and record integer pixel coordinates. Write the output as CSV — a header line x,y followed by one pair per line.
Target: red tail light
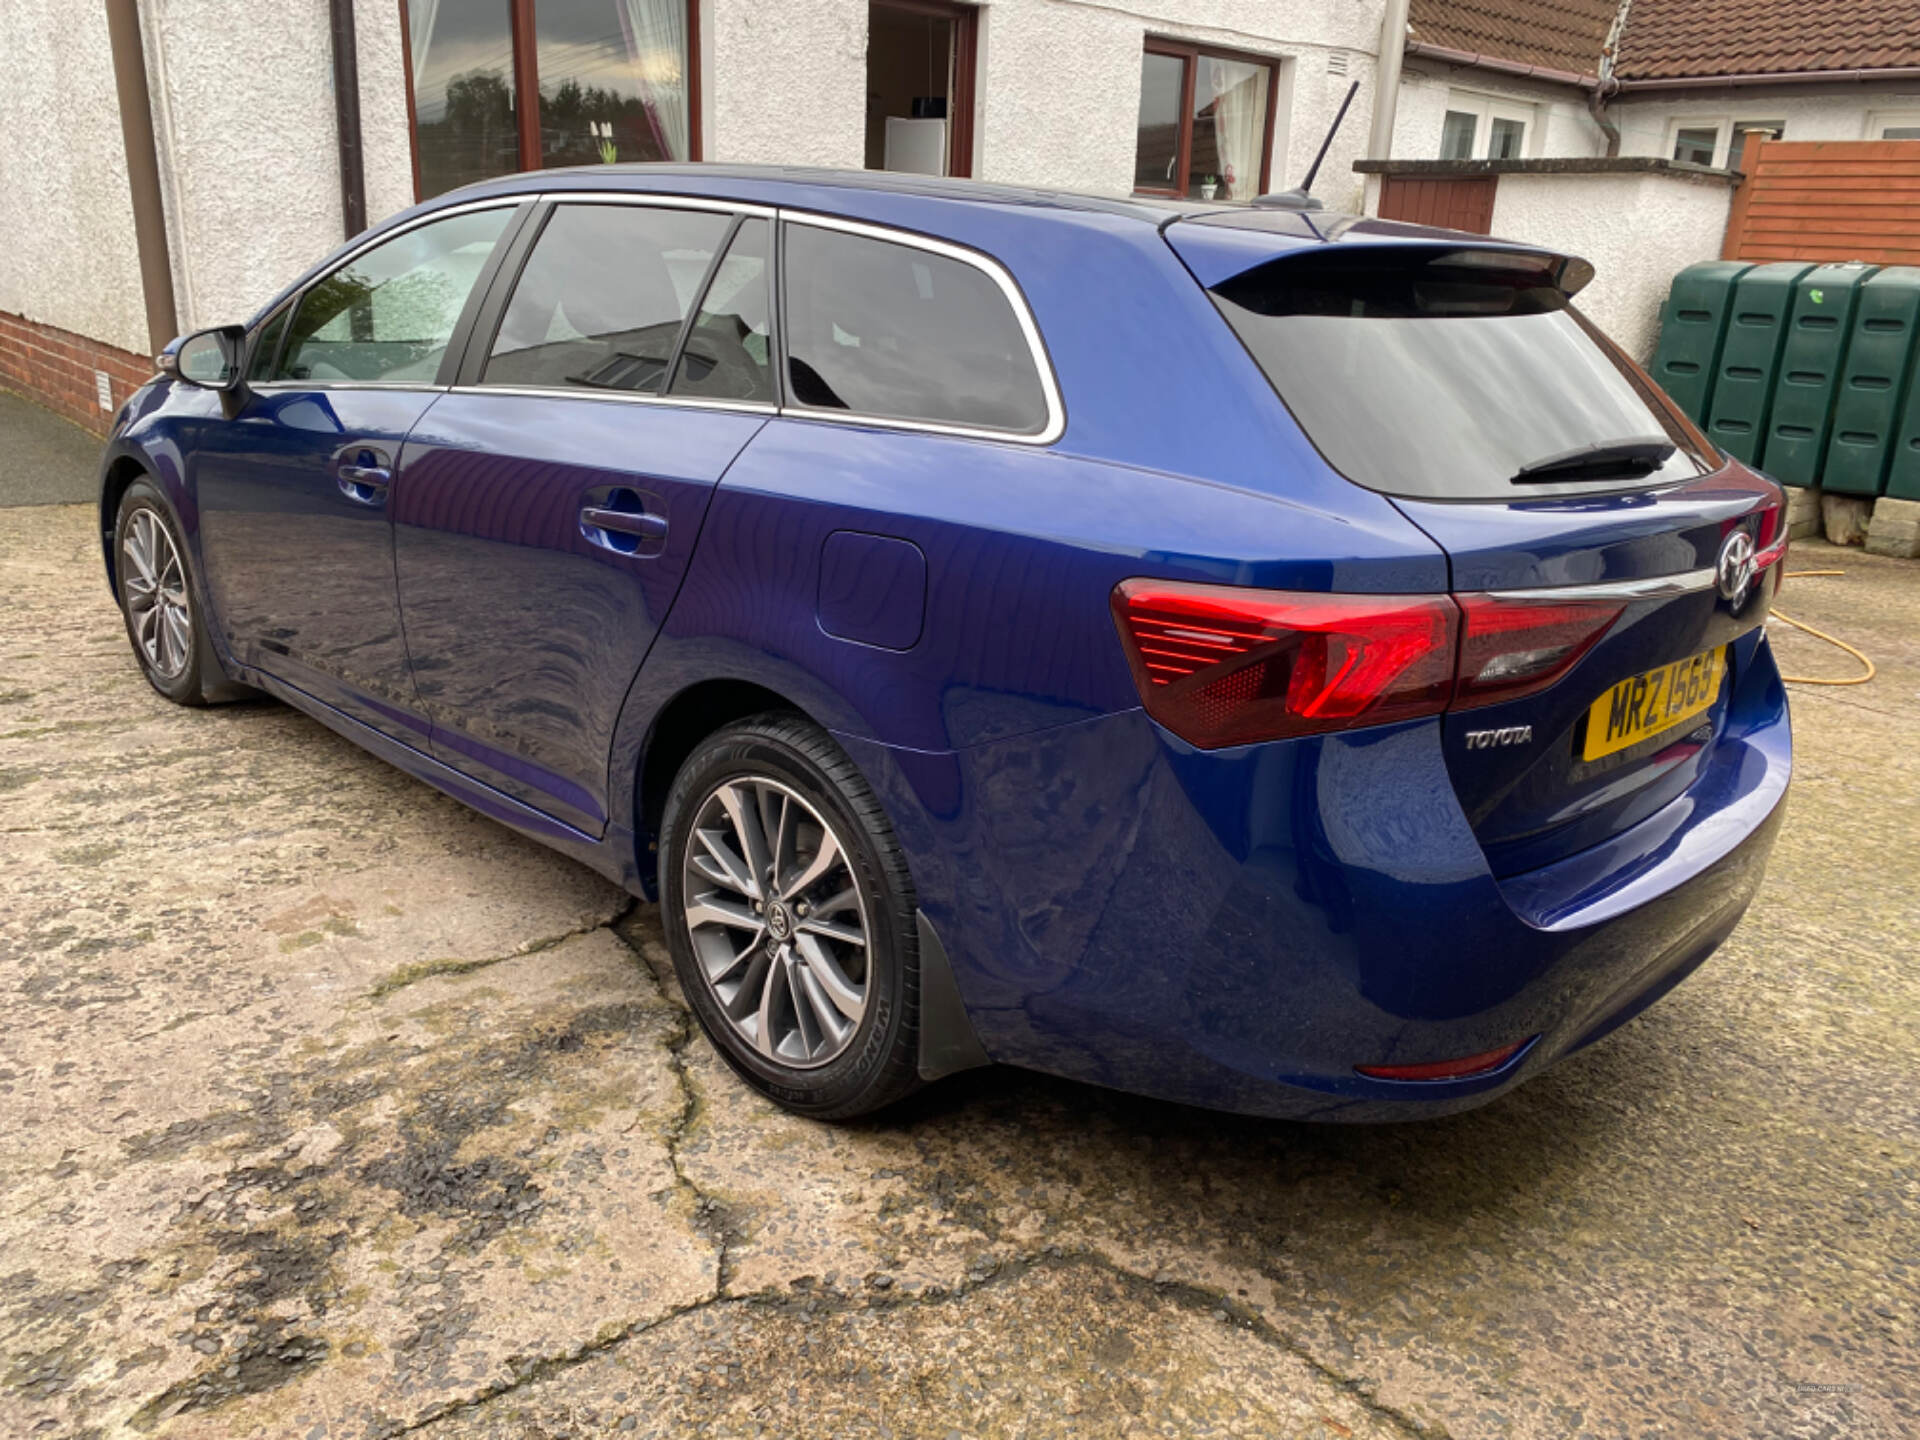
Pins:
x,y
1219,665
1511,648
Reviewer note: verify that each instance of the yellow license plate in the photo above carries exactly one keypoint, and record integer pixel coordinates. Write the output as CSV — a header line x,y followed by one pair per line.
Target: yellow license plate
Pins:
x,y
1654,702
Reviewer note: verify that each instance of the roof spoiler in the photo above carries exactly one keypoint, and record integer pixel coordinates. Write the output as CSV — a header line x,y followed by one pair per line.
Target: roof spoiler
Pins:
x,y
1220,245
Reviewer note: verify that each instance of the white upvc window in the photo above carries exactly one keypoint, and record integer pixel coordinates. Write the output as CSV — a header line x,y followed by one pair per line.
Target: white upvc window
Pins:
x,y
1716,140
1486,127
1893,125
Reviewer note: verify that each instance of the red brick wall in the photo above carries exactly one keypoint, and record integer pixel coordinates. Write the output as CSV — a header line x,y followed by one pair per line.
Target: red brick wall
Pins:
x,y
55,368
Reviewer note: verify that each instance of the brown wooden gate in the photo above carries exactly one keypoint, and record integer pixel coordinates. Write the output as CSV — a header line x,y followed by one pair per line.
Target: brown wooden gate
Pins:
x,y
1827,200
1455,202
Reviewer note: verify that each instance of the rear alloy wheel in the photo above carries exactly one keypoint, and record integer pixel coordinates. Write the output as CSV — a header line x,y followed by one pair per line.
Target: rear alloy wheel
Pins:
x,y
791,919
777,921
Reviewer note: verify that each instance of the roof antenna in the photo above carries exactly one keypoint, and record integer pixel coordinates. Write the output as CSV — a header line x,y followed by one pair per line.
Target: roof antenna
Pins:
x,y
1298,198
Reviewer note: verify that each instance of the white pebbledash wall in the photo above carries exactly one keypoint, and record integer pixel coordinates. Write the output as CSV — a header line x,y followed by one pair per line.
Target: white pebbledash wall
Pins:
x,y
69,258
1639,230
244,123
1562,128
1058,87
243,119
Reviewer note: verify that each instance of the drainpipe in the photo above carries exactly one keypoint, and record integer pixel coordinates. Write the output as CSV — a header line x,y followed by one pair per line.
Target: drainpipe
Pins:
x,y
143,170
1386,79
1605,85
346,109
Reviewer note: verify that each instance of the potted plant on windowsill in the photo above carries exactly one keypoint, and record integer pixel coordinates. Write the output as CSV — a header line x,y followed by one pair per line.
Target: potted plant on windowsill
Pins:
x,y
1209,185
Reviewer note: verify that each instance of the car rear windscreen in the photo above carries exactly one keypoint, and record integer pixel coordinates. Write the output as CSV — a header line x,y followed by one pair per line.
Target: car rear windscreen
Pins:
x,y
1454,375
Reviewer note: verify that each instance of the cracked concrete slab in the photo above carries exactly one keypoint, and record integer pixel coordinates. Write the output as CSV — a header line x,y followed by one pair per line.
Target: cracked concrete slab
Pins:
x,y
328,1108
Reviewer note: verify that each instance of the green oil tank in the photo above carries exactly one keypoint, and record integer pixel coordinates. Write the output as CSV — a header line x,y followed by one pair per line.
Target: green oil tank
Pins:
x,y
1692,326
1824,302
1903,464
1873,383
1749,356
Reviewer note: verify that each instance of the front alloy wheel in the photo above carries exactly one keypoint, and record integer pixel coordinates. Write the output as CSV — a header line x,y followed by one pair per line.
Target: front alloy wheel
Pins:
x,y
159,613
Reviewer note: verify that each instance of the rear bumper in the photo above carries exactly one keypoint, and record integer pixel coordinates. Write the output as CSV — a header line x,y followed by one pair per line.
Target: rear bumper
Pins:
x,y
1239,929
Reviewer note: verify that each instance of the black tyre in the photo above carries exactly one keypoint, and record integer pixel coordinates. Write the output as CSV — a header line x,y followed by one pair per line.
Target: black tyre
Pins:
x,y
789,911
160,604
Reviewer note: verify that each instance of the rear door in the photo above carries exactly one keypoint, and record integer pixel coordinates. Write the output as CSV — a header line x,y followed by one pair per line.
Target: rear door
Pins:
x,y
550,503
1612,570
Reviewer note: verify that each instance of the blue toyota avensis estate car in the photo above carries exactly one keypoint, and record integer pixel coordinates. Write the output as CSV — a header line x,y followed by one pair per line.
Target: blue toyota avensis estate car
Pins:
x,y
1267,660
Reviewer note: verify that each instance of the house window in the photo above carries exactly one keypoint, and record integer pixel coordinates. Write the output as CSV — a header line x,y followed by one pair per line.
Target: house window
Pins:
x,y
1456,135
1484,127
1695,144
1205,125
1894,125
496,86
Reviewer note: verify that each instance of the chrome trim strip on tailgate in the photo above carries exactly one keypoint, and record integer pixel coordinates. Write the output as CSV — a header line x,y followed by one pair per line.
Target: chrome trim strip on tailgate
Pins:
x,y
1685,583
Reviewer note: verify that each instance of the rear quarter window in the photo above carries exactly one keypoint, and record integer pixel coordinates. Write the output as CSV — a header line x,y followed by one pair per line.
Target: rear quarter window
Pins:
x,y
1454,375
900,332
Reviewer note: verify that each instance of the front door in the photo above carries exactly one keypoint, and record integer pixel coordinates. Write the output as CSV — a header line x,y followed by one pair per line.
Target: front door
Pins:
x,y
293,488
547,509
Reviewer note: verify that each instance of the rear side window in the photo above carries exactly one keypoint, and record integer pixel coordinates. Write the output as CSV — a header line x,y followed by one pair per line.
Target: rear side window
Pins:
x,y
601,300
900,332
388,313
1461,375
728,351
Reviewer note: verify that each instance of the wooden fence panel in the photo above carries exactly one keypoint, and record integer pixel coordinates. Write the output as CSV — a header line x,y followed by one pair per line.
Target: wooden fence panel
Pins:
x,y
1828,200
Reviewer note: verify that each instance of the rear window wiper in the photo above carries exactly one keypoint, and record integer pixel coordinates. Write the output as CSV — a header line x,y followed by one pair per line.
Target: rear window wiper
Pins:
x,y
1630,459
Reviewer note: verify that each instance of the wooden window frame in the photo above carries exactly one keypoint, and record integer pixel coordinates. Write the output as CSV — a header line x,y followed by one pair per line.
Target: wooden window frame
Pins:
x,y
1190,56
526,85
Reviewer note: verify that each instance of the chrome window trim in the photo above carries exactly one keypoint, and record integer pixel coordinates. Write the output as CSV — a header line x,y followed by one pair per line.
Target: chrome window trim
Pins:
x,y
622,397
659,202
1056,425
1687,582
273,386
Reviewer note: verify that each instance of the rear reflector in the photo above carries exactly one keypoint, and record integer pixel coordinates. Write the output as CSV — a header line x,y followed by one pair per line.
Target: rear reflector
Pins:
x,y
1461,1069
1513,648
1219,665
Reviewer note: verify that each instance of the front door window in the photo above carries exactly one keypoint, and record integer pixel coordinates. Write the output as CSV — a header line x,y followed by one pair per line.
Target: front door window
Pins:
x,y
388,314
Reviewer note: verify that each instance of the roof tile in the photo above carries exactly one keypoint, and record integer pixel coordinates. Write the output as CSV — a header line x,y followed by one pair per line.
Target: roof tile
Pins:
x,y
1564,36
1674,39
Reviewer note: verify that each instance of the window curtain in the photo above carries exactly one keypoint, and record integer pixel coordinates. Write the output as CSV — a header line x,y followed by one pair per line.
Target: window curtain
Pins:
x,y
1239,125
657,39
420,17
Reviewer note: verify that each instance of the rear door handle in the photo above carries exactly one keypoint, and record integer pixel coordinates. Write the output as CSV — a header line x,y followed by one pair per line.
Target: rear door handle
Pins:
x,y
625,522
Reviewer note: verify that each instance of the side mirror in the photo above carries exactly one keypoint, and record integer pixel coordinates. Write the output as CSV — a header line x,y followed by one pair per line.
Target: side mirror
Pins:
x,y
207,358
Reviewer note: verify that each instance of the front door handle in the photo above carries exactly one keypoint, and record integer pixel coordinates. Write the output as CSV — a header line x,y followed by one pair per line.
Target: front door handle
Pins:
x,y
365,483
625,522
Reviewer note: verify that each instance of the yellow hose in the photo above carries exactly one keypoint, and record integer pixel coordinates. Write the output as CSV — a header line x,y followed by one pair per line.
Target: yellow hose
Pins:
x,y
1822,635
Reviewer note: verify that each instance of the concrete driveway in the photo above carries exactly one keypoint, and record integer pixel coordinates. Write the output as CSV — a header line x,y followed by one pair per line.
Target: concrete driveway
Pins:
x,y
328,1108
